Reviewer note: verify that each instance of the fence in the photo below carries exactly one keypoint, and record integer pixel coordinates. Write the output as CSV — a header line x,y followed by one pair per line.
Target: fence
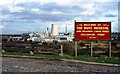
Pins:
x,y
100,48
29,46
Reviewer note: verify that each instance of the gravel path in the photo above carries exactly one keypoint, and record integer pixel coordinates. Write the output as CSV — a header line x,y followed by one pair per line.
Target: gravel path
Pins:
x,y
38,65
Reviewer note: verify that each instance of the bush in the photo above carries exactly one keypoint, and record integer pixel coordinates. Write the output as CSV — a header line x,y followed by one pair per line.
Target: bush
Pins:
x,y
82,44
68,48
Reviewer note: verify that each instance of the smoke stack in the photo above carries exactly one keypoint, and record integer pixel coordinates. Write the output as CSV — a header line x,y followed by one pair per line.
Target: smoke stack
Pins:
x,y
47,28
54,30
66,29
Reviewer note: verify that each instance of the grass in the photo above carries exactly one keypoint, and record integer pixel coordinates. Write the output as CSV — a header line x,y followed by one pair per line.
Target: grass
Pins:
x,y
101,59
48,56
88,58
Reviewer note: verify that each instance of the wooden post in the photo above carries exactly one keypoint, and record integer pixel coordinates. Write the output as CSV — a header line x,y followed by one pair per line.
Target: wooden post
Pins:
x,y
61,50
109,51
76,48
91,50
31,52
75,40
3,50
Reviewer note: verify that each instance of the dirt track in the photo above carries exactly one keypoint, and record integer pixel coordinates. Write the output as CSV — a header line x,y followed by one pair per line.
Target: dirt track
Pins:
x,y
37,65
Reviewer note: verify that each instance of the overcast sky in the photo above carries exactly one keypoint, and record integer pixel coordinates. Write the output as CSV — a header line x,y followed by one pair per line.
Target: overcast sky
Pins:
x,y
21,16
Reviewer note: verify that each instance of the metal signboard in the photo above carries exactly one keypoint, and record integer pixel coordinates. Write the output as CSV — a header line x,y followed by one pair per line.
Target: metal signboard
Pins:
x,y
92,31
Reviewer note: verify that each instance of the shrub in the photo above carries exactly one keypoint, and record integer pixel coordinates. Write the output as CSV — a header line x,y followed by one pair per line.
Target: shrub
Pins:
x,y
82,44
68,48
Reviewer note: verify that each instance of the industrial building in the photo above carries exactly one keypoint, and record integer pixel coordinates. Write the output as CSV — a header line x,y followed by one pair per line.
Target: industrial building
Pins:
x,y
43,37
115,36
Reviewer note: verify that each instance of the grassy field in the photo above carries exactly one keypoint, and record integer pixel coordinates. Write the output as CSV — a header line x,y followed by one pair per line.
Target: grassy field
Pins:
x,y
101,59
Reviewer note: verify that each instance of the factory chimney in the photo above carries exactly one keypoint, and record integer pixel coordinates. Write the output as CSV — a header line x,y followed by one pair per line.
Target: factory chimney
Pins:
x,y
54,30
65,29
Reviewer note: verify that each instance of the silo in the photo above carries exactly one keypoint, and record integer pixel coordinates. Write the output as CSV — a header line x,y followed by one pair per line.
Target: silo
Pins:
x,y
54,30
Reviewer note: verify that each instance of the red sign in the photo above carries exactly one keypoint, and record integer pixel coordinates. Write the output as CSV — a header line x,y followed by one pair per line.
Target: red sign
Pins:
x,y
92,30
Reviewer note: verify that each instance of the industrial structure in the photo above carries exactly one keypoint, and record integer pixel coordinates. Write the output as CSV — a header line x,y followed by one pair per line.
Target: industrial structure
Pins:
x,y
54,36
54,30
115,36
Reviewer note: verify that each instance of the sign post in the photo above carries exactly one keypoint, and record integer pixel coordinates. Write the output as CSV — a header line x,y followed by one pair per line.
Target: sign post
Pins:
x,y
76,48
92,31
75,40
